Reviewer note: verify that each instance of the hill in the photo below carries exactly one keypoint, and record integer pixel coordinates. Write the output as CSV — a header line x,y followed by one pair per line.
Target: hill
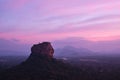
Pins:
x,y
41,65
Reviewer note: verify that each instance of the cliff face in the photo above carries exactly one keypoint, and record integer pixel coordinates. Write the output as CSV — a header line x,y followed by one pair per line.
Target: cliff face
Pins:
x,y
43,49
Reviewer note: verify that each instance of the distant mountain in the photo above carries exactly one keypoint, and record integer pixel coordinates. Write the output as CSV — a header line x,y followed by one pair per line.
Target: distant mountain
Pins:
x,y
70,51
107,46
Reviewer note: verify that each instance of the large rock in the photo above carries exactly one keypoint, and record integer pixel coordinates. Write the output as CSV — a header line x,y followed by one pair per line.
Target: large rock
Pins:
x,y
40,65
42,49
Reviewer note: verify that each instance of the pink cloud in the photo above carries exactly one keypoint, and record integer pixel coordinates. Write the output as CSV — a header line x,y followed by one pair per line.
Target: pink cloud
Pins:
x,y
83,9
93,21
89,33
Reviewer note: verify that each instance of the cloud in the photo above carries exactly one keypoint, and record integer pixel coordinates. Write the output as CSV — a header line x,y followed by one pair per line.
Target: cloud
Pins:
x,y
83,9
32,20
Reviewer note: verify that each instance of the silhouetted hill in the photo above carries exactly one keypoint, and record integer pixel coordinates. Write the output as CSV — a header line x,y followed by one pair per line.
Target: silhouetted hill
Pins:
x,y
41,65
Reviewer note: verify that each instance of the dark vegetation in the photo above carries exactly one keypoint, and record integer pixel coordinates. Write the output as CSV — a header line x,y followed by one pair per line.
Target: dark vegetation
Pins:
x,y
10,61
79,68
42,69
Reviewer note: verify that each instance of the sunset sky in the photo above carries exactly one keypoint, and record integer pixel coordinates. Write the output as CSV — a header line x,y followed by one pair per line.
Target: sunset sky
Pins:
x,y
48,20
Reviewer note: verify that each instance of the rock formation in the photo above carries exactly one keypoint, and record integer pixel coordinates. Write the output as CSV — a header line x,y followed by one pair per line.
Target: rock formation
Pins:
x,y
40,65
44,48
41,50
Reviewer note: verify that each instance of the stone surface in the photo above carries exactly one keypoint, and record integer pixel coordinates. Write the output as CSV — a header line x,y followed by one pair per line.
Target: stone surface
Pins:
x,y
43,49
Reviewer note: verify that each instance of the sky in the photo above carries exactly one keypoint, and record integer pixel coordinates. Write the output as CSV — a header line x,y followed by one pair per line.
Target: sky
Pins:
x,y
30,21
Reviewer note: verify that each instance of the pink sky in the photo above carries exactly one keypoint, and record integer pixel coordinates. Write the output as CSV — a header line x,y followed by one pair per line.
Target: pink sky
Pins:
x,y
49,20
